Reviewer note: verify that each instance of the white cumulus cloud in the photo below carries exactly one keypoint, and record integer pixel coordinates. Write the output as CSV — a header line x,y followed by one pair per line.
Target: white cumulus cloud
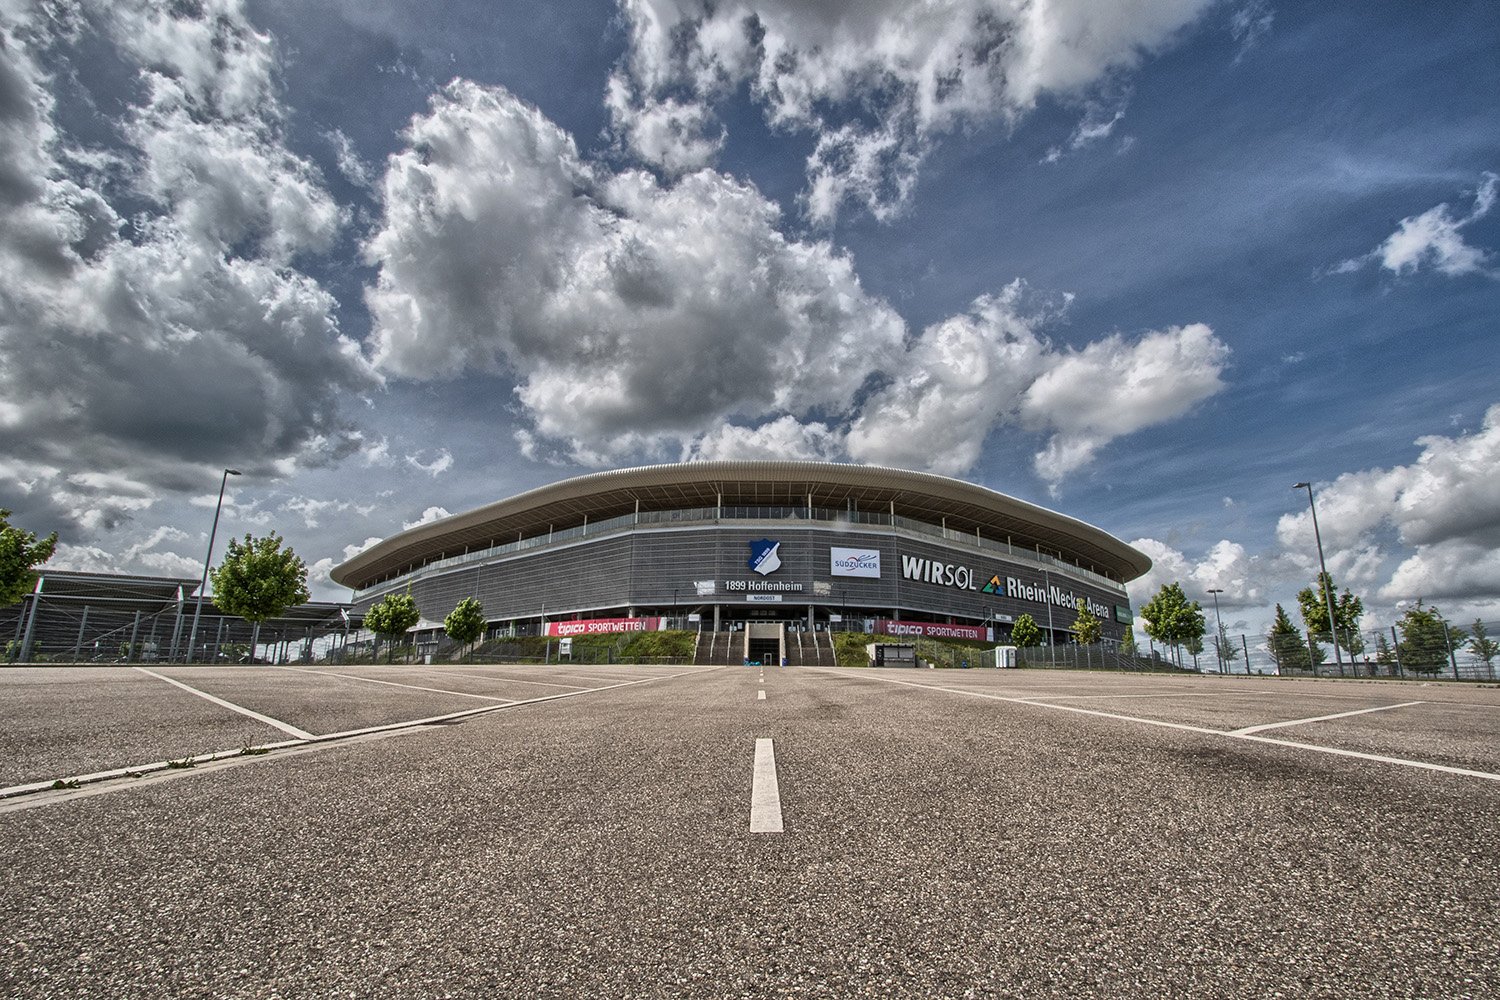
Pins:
x,y
876,80
1434,240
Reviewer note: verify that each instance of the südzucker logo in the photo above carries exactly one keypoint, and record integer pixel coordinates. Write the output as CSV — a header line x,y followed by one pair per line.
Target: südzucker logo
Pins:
x,y
854,562
764,557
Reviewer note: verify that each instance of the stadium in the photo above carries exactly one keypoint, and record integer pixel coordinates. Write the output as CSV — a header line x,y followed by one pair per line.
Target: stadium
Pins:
x,y
765,557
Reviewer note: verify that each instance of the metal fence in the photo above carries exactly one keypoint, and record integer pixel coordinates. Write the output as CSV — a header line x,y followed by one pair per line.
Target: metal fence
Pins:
x,y
68,629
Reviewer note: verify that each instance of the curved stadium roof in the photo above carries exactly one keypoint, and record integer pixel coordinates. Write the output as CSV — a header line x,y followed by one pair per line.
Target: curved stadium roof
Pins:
x,y
598,496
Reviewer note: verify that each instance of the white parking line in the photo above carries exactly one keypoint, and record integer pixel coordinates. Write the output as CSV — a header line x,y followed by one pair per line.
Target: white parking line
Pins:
x,y
414,687
760,696
765,796
1321,718
290,730
41,793
508,680
1251,737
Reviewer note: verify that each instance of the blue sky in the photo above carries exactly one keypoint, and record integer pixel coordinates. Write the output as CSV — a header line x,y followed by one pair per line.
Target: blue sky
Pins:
x,y
1146,263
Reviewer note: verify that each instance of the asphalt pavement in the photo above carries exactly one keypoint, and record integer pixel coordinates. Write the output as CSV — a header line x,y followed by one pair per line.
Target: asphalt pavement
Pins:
x,y
934,843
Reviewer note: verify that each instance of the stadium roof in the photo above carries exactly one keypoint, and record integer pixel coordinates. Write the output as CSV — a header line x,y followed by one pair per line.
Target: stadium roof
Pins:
x,y
599,496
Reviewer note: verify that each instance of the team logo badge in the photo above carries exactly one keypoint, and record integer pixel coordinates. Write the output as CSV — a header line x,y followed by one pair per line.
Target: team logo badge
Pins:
x,y
764,557
994,586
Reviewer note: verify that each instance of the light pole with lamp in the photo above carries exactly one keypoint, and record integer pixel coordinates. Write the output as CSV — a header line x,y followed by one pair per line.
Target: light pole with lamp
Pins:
x,y
1219,625
208,561
1327,596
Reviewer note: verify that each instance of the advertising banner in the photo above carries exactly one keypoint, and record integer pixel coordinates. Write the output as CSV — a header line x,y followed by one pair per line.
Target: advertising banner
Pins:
x,y
934,630
603,626
854,562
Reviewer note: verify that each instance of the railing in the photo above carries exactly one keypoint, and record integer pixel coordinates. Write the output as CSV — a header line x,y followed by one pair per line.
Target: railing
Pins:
x,y
729,514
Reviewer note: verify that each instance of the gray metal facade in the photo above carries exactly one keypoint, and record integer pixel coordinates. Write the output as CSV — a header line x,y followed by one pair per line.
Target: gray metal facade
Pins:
x,y
659,570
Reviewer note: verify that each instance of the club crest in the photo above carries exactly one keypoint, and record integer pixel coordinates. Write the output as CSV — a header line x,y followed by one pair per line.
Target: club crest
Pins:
x,y
764,557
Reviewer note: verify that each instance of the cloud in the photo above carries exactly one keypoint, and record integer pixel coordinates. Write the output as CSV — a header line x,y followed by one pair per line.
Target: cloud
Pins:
x,y
643,321
155,321
631,314
876,82
319,571
1249,24
1433,240
1226,566
1114,387
1445,506
428,516
436,467
990,368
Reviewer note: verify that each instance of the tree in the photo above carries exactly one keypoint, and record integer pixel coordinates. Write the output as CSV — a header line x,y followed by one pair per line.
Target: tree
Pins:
x,y
1384,655
1171,619
1285,644
1483,647
1025,633
392,617
1194,645
1426,638
258,579
466,622
1127,644
20,551
1347,611
1087,627
1225,647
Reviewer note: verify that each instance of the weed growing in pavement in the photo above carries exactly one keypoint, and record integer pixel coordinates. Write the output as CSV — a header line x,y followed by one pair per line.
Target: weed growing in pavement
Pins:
x,y
183,763
250,751
60,784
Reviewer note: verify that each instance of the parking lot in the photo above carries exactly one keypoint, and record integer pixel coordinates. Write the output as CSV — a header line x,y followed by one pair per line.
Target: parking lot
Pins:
x,y
667,831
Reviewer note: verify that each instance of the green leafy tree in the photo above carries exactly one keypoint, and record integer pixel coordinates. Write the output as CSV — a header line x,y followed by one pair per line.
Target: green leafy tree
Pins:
x,y
1127,644
1347,612
20,552
1025,633
1286,645
1173,620
1425,639
259,579
1087,627
465,623
1482,646
392,617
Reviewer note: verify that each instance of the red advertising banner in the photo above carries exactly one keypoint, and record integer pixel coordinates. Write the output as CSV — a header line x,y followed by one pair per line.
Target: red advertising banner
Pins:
x,y
933,630
602,626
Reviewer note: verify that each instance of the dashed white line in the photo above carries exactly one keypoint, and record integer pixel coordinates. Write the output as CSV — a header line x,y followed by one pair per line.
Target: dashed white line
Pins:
x,y
287,728
760,696
765,796
1321,718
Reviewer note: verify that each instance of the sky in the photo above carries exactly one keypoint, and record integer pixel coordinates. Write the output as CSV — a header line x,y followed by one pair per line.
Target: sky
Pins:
x,y
1147,263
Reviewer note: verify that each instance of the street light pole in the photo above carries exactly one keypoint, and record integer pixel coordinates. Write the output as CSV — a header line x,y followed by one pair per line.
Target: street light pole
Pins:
x,y
1327,594
208,561
1219,625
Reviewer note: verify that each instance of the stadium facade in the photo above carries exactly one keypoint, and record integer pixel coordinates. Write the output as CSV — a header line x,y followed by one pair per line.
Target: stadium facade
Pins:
x,y
762,548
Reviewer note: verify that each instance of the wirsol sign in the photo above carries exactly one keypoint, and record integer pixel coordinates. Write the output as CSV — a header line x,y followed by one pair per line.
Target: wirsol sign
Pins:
x,y
944,574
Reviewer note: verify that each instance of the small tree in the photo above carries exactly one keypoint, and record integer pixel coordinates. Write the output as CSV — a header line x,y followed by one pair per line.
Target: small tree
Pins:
x,y
1285,644
1347,611
1173,620
392,617
258,580
1483,647
1025,633
1194,645
20,551
1226,648
1426,638
1127,644
465,623
1384,655
1087,627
